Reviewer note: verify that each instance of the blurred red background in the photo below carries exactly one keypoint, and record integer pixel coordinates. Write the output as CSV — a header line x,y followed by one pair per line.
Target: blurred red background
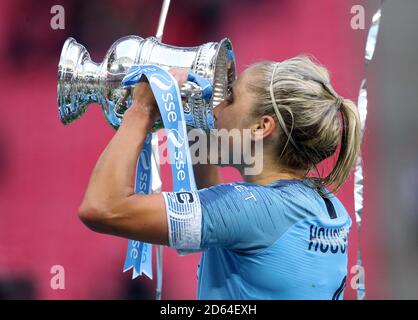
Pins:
x,y
45,166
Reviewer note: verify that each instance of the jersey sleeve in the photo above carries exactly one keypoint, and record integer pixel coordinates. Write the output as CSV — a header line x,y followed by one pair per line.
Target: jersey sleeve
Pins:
x,y
236,216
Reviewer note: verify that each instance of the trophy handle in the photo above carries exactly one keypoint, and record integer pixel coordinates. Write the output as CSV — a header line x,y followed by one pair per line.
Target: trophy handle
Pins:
x,y
225,73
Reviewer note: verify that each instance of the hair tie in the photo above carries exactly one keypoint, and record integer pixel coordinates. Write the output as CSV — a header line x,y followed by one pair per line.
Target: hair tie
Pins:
x,y
339,102
273,100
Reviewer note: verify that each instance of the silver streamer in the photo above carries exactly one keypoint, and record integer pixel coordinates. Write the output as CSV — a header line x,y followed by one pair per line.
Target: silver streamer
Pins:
x,y
358,174
372,36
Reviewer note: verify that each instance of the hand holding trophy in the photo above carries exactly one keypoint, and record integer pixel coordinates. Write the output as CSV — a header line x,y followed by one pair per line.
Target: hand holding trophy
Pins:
x,y
144,104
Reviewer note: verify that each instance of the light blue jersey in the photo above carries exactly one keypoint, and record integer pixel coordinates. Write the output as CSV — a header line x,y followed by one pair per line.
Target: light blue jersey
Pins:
x,y
278,241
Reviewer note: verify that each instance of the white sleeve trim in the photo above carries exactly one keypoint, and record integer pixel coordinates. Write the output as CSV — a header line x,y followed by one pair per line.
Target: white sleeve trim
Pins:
x,y
184,219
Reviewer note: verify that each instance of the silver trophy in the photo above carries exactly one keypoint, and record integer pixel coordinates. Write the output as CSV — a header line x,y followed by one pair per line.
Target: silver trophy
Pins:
x,y
82,82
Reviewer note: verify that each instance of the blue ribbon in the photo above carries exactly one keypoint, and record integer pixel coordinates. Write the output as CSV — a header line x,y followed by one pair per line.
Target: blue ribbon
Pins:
x,y
136,249
167,94
203,83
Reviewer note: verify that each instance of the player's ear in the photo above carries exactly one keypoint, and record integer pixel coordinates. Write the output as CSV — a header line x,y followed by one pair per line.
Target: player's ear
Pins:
x,y
263,127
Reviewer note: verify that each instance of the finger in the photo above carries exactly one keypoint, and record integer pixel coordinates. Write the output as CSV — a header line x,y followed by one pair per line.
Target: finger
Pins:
x,y
179,74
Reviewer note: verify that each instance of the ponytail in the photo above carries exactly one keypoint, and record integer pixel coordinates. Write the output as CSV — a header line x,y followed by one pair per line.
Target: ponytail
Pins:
x,y
349,148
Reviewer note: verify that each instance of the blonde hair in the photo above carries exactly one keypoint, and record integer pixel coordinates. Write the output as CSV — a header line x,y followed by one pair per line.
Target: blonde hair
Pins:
x,y
297,91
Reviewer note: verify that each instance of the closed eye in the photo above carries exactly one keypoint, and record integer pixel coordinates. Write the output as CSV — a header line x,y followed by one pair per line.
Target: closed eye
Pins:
x,y
230,97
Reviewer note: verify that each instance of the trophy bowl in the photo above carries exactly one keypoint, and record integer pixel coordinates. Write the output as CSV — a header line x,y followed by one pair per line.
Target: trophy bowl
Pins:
x,y
82,82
